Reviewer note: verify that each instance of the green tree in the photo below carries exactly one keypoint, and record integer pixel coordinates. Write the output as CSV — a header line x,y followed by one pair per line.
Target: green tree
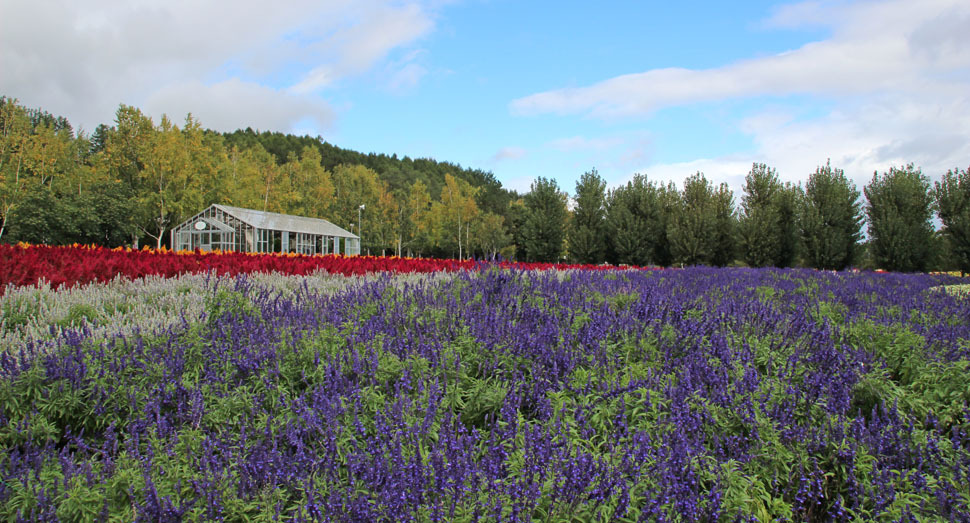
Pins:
x,y
725,226
669,205
952,195
454,215
703,231
113,211
634,220
544,227
489,236
356,185
156,164
14,133
587,238
245,182
416,230
767,225
830,219
759,220
45,219
899,210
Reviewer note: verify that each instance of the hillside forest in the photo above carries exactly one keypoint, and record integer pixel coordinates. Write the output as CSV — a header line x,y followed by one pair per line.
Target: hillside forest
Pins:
x,y
130,182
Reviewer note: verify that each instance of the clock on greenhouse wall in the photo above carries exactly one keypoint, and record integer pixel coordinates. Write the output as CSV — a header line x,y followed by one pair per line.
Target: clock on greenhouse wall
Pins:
x,y
199,225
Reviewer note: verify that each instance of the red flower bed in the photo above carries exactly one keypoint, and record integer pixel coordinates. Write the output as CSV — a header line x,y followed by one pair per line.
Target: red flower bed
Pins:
x,y
27,264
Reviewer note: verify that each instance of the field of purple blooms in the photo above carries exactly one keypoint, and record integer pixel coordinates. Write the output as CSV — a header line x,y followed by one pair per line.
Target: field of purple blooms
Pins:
x,y
503,395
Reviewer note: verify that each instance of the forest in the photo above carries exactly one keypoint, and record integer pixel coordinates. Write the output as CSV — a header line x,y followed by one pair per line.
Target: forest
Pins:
x,y
130,182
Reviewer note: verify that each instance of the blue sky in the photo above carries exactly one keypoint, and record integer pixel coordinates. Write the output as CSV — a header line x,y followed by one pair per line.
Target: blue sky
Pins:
x,y
526,89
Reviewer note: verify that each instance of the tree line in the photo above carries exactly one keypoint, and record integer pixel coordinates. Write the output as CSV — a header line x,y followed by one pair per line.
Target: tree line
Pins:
x,y
130,182
776,224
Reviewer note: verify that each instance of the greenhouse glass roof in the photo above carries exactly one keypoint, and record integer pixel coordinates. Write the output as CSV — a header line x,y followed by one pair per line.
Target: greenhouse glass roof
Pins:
x,y
286,222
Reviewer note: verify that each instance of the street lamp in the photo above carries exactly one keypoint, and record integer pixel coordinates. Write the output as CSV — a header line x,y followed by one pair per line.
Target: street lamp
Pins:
x,y
360,231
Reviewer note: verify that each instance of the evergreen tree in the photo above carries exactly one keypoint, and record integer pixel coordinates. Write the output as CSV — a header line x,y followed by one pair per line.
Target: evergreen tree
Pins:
x,y
544,227
669,205
952,196
634,221
899,210
830,219
759,220
768,234
702,232
587,239
725,226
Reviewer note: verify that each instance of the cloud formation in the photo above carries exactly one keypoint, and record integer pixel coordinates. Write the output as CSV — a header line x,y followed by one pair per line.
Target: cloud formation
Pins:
x,y
886,46
246,63
508,153
894,75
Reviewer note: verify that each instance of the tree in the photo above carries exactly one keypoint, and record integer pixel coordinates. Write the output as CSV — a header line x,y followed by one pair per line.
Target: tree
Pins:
x,y
702,232
245,182
669,205
356,185
454,215
952,195
416,229
544,227
587,238
899,210
725,226
14,133
156,164
830,219
312,185
45,219
759,220
489,236
114,210
768,234
634,222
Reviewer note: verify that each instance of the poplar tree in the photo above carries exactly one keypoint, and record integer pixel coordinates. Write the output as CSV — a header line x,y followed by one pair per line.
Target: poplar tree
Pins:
x,y
952,195
768,234
544,224
702,232
830,219
587,238
899,210
634,222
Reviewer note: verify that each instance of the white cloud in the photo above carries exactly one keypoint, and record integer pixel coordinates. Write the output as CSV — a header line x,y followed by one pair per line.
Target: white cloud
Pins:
x,y
404,74
508,153
893,76
876,47
581,143
82,59
874,135
236,105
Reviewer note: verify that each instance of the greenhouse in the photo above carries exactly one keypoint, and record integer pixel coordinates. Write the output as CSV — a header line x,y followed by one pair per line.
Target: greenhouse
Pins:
x,y
246,230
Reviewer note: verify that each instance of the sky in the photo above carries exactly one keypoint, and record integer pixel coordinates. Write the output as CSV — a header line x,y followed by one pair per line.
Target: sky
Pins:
x,y
525,89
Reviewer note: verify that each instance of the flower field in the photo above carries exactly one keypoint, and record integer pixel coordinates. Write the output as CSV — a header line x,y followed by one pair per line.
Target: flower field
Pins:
x,y
497,394
28,264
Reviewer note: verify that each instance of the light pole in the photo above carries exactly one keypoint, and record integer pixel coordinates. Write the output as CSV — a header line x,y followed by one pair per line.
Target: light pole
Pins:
x,y
360,231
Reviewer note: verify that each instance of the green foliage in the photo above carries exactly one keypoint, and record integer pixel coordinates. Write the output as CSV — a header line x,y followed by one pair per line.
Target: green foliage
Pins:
x,y
899,210
952,195
830,219
703,230
634,223
588,232
102,216
766,227
544,226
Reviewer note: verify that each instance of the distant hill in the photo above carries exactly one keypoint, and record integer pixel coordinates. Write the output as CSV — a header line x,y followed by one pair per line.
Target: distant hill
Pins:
x,y
399,173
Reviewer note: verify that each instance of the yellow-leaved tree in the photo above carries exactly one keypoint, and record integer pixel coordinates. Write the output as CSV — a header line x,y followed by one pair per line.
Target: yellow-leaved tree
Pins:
x,y
454,215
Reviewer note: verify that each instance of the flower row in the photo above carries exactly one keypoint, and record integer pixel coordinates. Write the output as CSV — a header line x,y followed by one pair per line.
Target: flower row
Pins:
x,y
69,265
